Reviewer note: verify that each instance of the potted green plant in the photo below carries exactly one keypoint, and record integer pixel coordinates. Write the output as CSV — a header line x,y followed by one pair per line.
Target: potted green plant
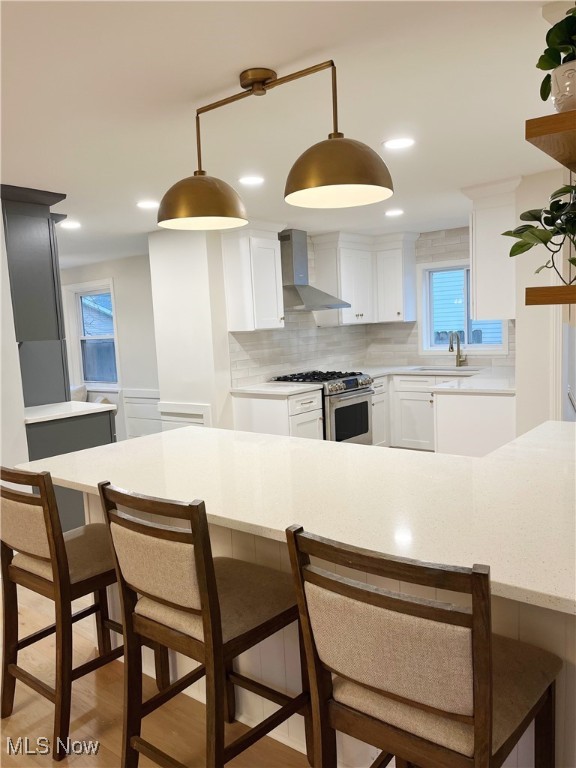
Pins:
x,y
550,227
560,56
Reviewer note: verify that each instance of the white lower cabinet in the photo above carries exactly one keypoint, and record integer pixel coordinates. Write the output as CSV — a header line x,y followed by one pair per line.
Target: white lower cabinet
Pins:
x,y
294,415
307,425
414,421
380,412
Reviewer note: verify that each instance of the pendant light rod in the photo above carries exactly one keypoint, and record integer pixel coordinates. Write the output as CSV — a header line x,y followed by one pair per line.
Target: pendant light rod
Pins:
x,y
259,88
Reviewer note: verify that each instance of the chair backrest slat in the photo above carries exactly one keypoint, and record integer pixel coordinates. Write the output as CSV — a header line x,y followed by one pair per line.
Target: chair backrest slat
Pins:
x,y
423,652
449,577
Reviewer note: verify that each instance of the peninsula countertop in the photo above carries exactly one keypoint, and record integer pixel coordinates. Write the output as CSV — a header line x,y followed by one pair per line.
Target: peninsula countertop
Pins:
x,y
67,410
514,509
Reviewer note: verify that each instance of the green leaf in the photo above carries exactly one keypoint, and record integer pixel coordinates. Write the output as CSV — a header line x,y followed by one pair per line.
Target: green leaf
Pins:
x,y
567,190
571,11
546,87
561,33
549,62
537,236
520,247
532,215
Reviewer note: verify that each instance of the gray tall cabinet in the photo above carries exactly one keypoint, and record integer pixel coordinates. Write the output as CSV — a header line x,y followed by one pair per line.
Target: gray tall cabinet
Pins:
x,y
34,274
36,296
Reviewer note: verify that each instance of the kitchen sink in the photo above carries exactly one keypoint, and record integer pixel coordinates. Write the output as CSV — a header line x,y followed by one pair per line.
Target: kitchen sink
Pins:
x,y
453,370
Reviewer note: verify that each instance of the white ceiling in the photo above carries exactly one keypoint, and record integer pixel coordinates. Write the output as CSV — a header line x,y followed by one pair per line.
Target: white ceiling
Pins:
x,y
98,102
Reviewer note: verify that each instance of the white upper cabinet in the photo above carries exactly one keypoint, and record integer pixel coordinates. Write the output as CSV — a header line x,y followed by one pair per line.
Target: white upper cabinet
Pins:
x,y
492,271
376,275
357,283
396,279
252,280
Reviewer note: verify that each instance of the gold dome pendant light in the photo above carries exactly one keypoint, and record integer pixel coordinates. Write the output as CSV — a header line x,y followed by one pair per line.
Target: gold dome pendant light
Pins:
x,y
336,173
201,202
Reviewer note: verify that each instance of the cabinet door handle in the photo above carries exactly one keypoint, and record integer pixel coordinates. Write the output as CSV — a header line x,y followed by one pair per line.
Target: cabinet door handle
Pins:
x,y
307,402
398,313
282,318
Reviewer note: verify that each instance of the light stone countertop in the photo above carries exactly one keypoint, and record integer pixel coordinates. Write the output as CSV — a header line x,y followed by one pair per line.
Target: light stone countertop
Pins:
x,y
280,389
514,509
488,381
53,411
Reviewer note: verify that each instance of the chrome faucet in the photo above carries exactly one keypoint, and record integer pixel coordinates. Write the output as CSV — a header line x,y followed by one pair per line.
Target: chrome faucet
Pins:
x,y
460,359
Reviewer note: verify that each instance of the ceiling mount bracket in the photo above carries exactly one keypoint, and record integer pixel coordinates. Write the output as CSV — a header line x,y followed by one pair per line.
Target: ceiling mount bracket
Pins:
x,y
255,78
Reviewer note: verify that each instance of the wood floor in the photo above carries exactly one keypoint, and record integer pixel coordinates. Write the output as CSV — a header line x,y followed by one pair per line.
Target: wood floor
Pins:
x,y
178,727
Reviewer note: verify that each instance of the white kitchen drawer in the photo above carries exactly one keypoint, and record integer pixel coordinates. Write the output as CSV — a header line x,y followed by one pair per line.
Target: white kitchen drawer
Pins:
x,y
302,403
141,408
380,385
446,379
413,383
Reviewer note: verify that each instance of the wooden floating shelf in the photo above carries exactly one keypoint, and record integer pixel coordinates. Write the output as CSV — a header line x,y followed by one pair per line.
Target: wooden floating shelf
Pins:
x,y
556,136
553,294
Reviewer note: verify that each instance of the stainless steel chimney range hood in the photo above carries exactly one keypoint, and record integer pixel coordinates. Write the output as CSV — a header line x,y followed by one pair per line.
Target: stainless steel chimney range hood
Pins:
x,y
298,294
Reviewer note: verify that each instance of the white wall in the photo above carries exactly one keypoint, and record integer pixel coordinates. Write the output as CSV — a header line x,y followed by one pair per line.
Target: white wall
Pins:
x,y
14,448
134,316
190,324
538,328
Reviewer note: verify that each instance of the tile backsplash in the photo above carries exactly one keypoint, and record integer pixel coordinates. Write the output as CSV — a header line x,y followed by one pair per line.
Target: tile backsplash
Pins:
x,y
259,355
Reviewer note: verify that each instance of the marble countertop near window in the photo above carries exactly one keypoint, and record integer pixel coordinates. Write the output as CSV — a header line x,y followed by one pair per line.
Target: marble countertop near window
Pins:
x,y
514,509
488,381
67,410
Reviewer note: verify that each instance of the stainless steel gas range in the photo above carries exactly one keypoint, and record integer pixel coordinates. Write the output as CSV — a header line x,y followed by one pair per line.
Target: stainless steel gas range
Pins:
x,y
347,403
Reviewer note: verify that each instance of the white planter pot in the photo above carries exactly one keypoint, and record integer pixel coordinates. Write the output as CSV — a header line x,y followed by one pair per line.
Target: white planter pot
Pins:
x,y
564,87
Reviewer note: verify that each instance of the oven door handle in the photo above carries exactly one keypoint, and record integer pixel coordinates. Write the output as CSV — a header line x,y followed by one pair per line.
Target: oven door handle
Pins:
x,y
351,395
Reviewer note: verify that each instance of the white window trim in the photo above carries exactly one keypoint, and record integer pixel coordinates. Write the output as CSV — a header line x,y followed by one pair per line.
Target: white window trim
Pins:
x,y
72,320
423,313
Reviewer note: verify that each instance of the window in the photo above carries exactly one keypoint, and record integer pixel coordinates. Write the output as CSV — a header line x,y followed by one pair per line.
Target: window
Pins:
x,y
446,308
97,337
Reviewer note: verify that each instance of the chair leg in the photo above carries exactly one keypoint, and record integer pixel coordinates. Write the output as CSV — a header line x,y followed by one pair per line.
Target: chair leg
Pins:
x,y
308,728
63,678
104,641
132,698
162,666
215,710
545,731
10,648
230,711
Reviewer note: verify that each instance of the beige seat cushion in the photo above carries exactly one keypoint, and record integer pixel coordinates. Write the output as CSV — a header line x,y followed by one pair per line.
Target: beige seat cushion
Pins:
x,y
88,551
521,674
249,595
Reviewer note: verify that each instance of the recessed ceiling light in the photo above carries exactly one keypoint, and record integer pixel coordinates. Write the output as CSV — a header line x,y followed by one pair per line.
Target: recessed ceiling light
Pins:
x,y
398,143
70,224
394,212
152,204
251,181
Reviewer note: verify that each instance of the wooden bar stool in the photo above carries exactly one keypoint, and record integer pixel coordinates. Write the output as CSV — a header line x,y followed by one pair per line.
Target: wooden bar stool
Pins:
x,y
420,679
62,568
210,609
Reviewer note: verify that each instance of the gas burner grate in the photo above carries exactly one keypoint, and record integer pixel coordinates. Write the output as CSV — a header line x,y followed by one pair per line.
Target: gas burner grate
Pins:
x,y
317,376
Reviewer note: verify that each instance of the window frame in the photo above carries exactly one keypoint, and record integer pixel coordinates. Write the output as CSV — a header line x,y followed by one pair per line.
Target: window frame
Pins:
x,y
75,332
424,314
